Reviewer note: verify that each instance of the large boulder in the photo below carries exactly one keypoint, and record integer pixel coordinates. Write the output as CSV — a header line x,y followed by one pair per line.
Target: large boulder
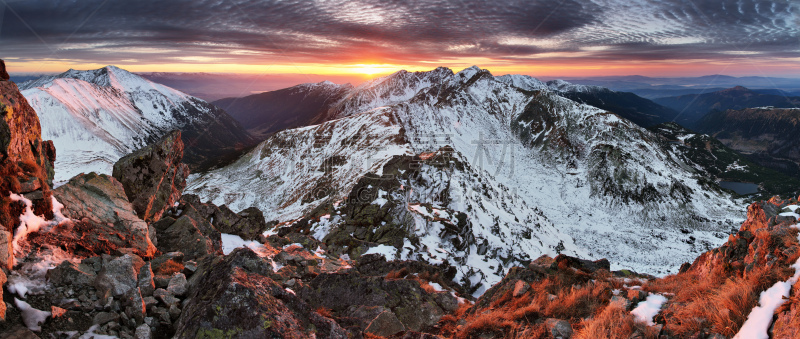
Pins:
x,y
232,297
104,219
153,176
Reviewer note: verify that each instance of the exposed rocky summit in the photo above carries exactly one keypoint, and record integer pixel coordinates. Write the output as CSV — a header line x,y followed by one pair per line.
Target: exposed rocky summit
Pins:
x,y
153,176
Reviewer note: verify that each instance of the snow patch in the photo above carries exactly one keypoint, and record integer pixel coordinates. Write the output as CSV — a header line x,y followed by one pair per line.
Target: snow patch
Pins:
x,y
649,308
32,317
231,242
760,318
389,252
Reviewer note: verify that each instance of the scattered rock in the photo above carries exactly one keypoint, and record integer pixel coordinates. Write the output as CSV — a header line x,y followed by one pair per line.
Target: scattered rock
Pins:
x,y
560,329
19,332
177,285
521,288
145,280
143,332
104,317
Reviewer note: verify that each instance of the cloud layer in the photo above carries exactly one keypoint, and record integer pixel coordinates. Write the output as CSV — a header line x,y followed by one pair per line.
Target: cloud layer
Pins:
x,y
396,32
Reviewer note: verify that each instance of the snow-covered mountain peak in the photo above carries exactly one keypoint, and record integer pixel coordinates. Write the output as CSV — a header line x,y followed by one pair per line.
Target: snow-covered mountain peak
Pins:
x,y
111,77
525,82
564,86
471,71
96,116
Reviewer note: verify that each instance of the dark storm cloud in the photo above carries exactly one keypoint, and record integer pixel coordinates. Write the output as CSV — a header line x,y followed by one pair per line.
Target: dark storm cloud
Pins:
x,y
402,31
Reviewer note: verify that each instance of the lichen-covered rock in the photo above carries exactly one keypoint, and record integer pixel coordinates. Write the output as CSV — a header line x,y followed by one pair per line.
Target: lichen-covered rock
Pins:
x,y
153,176
232,297
105,220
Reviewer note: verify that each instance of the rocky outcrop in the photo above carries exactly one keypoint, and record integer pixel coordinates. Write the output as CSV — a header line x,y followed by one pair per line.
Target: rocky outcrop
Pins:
x,y
26,163
3,74
103,219
233,297
248,224
153,176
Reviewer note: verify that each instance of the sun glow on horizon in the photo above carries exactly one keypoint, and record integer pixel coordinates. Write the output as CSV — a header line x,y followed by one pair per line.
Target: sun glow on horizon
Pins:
x,y
367,70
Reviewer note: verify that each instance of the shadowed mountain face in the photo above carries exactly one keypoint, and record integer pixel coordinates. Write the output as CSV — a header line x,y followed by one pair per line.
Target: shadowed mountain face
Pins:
x,y
694,107
640,111
769,136
266,113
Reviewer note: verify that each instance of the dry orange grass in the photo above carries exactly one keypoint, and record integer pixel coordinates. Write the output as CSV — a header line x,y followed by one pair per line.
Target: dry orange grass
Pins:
x,y
398,274
427,287
495,323
577,303
169,268
720,300
324,312
613,322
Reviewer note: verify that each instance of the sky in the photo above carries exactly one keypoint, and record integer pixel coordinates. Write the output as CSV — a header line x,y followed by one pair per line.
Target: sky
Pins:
x,y
368,38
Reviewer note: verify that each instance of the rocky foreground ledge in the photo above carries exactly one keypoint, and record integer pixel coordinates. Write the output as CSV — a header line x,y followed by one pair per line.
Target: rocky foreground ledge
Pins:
x,y
129,256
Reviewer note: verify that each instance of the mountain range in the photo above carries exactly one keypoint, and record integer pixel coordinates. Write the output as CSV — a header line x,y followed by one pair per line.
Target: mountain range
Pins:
x,y
416,205
95,117
521,155
693,107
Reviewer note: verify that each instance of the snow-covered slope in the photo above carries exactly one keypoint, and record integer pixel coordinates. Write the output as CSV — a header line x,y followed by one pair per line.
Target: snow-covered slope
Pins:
x,y
564,86
95,117
603,186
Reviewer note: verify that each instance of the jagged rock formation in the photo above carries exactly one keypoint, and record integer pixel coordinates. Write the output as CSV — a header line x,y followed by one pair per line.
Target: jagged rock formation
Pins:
x,y
26,163
154,176
248,224
234,297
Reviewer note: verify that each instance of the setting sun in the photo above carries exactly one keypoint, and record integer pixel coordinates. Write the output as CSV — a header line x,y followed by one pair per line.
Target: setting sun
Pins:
x,y
373,69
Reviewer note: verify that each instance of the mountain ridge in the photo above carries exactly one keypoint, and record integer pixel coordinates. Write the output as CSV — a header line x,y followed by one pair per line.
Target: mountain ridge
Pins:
x,y
97,116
